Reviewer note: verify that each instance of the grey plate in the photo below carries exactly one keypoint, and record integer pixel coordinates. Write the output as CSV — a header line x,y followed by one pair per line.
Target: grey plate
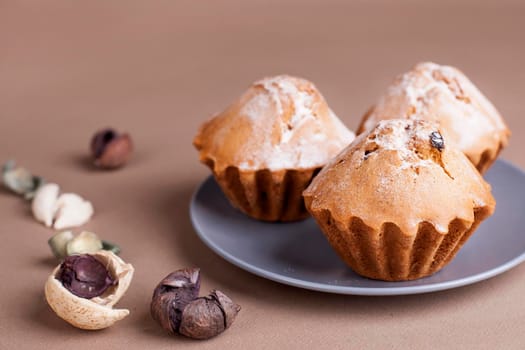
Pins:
x,y
298,254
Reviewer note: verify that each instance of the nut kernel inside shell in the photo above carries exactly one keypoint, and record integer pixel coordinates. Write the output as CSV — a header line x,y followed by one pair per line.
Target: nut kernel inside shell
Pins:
x,y
85,276
95,313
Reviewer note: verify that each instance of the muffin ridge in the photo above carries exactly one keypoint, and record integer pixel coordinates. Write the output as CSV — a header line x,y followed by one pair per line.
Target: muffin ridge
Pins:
x,y
265,148
399,202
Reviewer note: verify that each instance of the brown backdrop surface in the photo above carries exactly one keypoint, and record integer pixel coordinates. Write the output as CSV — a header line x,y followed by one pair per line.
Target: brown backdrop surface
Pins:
x,y
160,68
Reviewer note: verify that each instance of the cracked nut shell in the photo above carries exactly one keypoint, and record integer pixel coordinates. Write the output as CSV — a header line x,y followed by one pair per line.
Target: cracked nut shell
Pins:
x,y
178,309
97,312
110,149
60,210
206,317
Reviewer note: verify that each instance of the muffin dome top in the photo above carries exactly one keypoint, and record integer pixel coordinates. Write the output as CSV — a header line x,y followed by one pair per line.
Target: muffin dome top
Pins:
x,y
402,172
442,93
280,122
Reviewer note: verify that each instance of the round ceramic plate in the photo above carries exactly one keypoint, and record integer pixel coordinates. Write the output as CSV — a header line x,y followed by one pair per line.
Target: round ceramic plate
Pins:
x,y
298,254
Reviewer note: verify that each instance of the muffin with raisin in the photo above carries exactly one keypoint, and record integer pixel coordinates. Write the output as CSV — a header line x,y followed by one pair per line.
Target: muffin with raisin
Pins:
x,y
400,201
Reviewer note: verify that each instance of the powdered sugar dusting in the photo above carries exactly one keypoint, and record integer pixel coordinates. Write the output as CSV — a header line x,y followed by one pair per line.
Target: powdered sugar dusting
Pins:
x,y
291,129
280,87
254,105
435,92
404,137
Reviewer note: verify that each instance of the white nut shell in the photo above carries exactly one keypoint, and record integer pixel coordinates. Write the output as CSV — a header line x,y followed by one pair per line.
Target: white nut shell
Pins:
x,y
43,205
60,211
71,211
98,312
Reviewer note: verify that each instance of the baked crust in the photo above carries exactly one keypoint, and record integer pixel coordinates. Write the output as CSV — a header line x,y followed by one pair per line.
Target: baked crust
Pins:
x,y
444,94
265,148
267,195
399,202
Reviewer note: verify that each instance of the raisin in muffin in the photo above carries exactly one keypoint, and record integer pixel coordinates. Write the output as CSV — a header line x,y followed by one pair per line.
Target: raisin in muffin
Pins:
x,y
444,94
265,148
400,201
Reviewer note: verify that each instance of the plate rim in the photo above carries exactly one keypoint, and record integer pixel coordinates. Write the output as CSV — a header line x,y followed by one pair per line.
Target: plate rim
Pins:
x,y
349,290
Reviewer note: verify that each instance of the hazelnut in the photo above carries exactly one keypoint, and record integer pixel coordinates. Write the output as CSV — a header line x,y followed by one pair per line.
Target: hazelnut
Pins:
x,y
178,309
83,289
110,149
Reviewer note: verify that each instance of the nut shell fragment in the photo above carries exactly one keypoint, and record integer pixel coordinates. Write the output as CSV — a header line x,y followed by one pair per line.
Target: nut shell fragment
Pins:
x,y
71,211
19,180
95,313
208,316
85,242
43,205
172,295
60,211
58,243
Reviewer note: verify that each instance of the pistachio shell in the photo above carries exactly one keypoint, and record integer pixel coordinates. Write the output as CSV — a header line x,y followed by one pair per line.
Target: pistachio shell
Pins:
x,y
58,243
95,313
20,180
9,165
112,247
37,183
85,242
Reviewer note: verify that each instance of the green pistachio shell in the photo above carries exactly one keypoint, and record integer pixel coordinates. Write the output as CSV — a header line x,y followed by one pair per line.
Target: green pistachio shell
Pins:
x,y
86,242
58,243
111,247
20,180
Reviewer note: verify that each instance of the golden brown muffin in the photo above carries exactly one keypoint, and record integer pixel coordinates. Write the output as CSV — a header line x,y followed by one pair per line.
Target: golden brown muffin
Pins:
x,y
265,148
399,202
444,94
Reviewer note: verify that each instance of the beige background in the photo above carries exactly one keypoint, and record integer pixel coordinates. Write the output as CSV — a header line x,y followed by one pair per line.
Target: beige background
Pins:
x,y
160,68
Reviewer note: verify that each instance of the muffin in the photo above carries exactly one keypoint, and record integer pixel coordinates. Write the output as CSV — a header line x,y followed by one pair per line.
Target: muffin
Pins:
x,y
265,148
399,202
444,94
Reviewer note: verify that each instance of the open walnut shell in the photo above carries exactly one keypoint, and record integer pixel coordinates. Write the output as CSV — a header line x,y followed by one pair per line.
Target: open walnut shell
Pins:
x,y
97,312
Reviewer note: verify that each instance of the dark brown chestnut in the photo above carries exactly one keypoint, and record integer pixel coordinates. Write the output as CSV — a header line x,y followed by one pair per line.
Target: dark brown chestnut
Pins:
x,y
178,309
